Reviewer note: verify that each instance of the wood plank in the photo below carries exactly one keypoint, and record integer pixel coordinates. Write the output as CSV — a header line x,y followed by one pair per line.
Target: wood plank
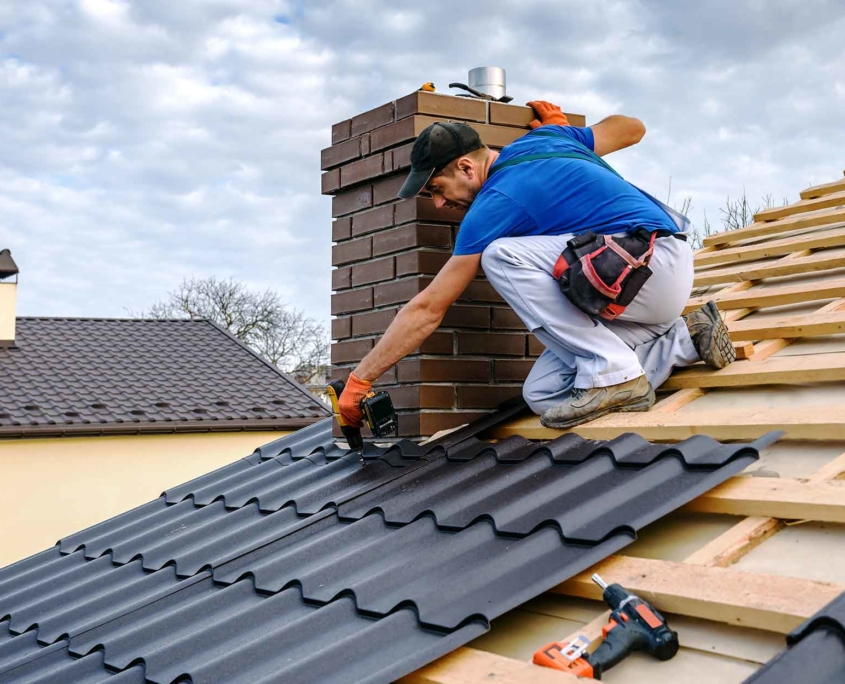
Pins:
x,y
829,471
472,666
773,296
834,199
745,536
773,497
833,237
809,325
823,189
744,350
773,371
732,545
770,602
810,219
822,261
677,400
800,423
764,350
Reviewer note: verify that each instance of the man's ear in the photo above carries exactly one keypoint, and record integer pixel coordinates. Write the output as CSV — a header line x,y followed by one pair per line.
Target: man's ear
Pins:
x,y
467,167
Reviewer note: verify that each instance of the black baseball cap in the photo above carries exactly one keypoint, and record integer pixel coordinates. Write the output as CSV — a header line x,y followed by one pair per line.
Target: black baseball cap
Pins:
x,y
437,146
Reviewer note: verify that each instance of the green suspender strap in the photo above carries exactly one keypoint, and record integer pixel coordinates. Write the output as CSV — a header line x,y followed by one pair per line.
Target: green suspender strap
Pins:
x,y
681,222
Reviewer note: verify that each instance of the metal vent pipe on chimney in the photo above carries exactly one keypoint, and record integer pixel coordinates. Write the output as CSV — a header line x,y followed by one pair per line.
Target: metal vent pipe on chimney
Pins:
x,y
8,298
488,80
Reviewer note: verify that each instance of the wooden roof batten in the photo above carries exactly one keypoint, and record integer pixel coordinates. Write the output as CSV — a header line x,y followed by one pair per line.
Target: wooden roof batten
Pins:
x,y
797,241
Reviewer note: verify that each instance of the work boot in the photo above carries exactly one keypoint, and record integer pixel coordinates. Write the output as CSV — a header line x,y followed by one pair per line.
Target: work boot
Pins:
x,y
583,405
710,336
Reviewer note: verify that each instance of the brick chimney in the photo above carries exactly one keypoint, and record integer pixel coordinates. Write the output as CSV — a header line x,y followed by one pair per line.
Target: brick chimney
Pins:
x,y
387,250
8,298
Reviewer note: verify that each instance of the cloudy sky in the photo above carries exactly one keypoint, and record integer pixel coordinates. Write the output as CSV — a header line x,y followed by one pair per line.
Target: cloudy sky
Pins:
x,y
142,142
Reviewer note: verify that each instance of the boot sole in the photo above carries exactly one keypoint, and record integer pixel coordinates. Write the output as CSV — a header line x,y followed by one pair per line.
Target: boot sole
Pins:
x,y
641,404
721,351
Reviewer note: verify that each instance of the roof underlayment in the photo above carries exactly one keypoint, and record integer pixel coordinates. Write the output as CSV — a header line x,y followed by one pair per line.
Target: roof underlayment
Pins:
x,y
297,564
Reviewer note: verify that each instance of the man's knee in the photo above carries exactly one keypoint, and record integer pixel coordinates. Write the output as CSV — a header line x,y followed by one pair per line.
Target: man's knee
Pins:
x,y
535,397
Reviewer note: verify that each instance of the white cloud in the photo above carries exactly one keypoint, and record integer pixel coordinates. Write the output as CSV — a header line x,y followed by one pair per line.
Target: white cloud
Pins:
x,y
144,142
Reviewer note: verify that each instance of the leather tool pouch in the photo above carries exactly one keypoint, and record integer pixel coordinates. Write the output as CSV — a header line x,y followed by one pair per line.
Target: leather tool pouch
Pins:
x,y
601,274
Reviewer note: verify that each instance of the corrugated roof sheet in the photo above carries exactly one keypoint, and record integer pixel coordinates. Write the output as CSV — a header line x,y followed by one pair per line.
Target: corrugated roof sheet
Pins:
x,y
815,653
255,572
76,376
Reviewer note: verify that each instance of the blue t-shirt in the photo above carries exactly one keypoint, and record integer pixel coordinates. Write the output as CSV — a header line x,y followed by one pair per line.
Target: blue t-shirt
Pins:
x,y
555,196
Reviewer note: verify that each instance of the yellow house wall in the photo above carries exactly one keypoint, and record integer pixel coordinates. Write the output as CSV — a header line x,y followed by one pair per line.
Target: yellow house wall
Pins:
x,y
50,488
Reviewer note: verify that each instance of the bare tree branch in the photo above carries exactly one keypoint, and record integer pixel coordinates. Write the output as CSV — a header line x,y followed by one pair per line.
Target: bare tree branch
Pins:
x,y
286,337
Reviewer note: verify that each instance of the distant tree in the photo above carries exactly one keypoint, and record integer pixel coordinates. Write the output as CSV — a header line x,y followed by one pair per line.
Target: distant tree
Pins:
x,y
286,337
736,214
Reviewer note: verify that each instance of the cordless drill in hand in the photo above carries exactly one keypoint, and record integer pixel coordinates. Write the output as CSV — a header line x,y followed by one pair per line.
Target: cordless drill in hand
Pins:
x,y
379,415
633,626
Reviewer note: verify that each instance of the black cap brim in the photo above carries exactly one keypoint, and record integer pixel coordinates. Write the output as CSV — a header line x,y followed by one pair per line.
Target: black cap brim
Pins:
x,y
414,183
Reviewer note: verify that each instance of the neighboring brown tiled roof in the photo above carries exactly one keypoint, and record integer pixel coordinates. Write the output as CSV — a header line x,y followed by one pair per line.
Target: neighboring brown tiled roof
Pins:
x,y
81,376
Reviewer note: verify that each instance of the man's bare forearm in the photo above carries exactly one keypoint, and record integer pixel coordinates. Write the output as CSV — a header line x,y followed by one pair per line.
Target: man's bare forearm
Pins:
x,y
411,327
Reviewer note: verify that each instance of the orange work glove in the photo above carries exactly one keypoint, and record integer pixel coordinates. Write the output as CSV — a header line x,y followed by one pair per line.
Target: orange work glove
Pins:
x,y
547,113
349,401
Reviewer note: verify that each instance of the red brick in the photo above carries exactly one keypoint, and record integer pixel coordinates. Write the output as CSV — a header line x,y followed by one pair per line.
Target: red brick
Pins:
x,y
342,373
341,131
480,291
400,291
355,300
437,343
372,322
423,396
375,219
515,115
380,116
489,396
396,133
402,157
426,262
505,370
491,344
341,327
350,201
342,229
446,106
459,316
362,170
373,271
352,250
423,209
506,319
365,146
341,278
409,236
444,370
535,347
354,350
340,154
385,190
388,161
330,181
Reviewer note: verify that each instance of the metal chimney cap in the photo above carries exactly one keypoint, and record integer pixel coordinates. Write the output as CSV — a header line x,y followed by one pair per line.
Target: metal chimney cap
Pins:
x,y
488,80
8,267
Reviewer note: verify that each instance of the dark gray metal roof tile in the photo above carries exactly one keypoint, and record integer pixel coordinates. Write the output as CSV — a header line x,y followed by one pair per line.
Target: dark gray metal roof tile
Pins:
x,y
281,557
270,640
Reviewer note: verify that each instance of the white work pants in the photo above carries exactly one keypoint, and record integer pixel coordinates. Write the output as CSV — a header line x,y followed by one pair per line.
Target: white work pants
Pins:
x,y
649,337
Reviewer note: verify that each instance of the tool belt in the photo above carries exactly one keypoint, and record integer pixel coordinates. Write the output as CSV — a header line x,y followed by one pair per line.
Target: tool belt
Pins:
x,y
601,274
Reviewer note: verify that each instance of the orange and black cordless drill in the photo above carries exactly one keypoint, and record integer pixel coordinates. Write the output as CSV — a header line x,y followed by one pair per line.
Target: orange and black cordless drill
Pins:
x,y
633,626
378,411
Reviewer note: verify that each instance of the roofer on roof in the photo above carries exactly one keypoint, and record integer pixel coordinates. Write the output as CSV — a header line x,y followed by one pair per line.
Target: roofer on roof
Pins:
x,y
524,205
